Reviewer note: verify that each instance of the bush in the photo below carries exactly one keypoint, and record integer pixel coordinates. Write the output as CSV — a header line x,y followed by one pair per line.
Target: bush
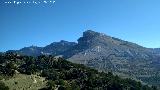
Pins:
x,y
3,87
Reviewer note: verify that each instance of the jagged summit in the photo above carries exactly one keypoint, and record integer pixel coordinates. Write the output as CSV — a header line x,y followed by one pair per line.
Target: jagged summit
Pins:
x,y
92,38
90,33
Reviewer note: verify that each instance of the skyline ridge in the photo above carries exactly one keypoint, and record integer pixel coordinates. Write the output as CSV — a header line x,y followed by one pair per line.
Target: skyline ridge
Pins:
x,y
87,31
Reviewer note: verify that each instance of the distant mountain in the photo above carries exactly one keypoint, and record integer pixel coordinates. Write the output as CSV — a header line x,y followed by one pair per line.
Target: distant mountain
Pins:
x,y
30,51
106,53
54,48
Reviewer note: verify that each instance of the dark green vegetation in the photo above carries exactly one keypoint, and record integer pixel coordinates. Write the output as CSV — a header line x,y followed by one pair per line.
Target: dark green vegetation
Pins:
x,y
64,75
3,86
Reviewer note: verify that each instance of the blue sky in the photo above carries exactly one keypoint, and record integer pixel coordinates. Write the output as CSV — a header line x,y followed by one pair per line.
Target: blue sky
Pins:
x,y
137,21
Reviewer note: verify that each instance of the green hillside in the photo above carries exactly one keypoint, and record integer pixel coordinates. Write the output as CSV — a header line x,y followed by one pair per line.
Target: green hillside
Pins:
x,y
26,82
50,73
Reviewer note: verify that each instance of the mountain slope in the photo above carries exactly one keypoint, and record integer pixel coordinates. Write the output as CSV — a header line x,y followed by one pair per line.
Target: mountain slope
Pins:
x,y
50,73
106,53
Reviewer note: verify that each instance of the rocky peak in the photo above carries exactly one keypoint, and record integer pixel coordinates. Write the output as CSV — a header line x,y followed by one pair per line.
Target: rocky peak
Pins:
x,y
91,38
88,36
90,33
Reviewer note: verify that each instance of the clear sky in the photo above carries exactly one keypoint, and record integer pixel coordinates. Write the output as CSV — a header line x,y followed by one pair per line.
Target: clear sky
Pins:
x,y
23,25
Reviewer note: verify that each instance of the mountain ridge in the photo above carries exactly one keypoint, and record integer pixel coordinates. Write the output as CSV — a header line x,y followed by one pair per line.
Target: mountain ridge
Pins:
x,y
51,49
106,53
